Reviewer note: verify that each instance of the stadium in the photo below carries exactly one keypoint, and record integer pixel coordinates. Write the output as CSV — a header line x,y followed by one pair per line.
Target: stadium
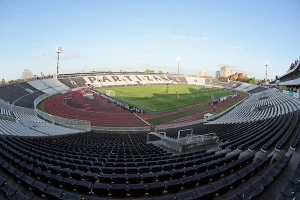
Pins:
x,y
149,100
133,135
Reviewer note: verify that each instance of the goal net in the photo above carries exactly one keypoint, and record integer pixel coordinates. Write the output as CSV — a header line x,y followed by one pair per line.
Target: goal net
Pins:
x,y
110,93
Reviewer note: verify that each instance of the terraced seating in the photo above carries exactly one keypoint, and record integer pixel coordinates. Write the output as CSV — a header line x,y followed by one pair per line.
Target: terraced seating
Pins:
x,y
123,166
38,124
101,173
10,93
49,86
5,112
258,89
260,106
13,128
27,101
292,186
258,186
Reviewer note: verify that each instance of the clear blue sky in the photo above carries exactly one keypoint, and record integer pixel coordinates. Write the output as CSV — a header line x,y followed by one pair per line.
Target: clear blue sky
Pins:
x,y
137,35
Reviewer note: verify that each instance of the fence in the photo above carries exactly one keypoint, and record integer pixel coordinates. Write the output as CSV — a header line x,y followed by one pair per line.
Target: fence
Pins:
x,y
83,125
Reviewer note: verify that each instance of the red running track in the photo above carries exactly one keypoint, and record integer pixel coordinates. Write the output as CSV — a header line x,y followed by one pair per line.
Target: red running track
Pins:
x,y
105,114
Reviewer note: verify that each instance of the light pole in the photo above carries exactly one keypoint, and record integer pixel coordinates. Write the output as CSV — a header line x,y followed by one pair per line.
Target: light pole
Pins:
x,y
58,51
266,64
178,61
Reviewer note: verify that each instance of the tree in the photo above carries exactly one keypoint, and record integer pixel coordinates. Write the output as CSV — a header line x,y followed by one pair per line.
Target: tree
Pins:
x,y
3,81
253,81
12,82
149,71
160,71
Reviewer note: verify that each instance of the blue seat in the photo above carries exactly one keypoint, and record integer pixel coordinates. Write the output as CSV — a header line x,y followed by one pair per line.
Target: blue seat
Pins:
x,y
53,193
177,173
290,189
105,178
118,190
222,186
19,196
101,189
149,177
202,178
187,195
206,192
27,181
68,183
70,196
134,178
173,186
155,189
38,187
8,190
83,186
136,190
163,176
188,182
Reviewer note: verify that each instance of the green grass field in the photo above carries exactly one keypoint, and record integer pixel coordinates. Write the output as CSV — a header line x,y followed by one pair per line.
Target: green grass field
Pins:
x,y
163,98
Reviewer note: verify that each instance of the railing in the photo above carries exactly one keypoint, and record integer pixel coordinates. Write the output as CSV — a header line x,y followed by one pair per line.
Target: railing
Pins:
x,y
121,129
83,125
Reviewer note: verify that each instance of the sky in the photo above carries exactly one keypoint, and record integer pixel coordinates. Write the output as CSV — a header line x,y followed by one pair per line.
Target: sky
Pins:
x,y
133,35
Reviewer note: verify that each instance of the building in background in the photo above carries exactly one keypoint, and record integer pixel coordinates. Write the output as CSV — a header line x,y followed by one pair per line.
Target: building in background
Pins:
x,y
226,71
202,73
218,74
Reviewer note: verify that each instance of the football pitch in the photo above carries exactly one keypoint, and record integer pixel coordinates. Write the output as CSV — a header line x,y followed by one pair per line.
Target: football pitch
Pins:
x,y
163,98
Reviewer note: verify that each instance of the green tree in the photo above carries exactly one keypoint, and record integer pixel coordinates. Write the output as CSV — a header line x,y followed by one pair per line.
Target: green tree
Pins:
x,y
253,81
160,71
149,71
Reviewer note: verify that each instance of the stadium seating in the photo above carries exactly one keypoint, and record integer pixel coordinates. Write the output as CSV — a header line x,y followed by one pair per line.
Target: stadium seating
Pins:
x,y
11,93
5,112
36,123
49,86
254,159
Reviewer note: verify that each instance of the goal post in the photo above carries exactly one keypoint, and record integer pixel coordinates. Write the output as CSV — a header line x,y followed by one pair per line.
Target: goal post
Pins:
x,y
110,93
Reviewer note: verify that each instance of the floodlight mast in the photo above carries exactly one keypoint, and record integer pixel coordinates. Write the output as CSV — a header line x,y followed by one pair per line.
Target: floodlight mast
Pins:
x,y
178,61
58,51
266,64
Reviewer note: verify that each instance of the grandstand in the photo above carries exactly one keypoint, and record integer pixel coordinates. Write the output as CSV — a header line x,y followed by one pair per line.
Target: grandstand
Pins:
x,y
46,156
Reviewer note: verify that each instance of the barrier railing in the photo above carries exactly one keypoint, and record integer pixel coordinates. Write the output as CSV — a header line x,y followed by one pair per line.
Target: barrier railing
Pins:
x,y
121,129
83,125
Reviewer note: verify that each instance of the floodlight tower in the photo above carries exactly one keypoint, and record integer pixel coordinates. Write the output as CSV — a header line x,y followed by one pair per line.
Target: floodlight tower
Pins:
x,y
58,51
266,64
178,61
